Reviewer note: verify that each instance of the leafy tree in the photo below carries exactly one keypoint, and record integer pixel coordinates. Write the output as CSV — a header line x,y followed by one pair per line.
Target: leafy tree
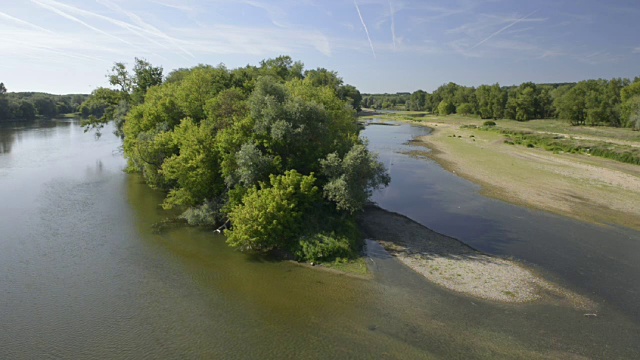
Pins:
x,y
272,216
351,95
45,106
323,77
446,107
113,104
465,109
144,77
282,68
351,179
418,101
526,102
630,112
27,110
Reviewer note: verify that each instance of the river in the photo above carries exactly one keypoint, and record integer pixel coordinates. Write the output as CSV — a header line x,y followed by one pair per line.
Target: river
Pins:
x,y
84,275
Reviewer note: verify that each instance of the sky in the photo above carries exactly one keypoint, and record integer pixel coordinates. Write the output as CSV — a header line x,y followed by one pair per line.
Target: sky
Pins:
x,y
68,46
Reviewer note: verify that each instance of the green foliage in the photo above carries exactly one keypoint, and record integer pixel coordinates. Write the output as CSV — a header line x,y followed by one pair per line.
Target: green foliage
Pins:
x,y
558,143
630,112
325,247
208,214
194,170
396,101
106,105
418,101
489,123
242,147
351,180
272,216
464,109
446,107
31,105
592,102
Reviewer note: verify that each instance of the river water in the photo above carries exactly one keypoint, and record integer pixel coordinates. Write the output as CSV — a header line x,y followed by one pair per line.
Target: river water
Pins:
x,y
83,274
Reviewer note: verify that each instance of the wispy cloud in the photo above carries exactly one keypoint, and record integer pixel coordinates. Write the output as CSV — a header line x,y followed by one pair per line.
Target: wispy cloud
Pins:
x,y
231,39
365,28
501,30
551,54
68,16
143,27
600,57
177,6
22,22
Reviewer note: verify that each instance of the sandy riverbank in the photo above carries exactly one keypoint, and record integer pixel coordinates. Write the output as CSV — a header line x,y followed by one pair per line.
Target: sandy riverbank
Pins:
x,y
582,187
457,267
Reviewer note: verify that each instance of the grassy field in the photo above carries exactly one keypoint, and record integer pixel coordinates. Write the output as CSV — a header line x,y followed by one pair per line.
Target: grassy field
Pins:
x,y
584,187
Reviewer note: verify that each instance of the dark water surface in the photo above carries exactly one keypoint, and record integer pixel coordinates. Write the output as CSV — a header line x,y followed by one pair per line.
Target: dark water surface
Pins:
x,y
82,275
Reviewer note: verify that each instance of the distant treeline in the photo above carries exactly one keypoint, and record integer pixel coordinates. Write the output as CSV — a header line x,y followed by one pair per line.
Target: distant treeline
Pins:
x,y
614,102
31,105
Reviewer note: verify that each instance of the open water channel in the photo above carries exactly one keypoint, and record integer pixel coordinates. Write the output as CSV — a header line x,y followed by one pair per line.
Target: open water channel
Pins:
x,y
83,275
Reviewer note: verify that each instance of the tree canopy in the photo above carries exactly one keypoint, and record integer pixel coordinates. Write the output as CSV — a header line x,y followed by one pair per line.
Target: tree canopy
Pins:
x,y
265,149
17,106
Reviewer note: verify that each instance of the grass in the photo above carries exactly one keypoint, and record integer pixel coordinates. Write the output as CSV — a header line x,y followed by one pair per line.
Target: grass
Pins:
x,y
620,144
357,266
562,143
589,188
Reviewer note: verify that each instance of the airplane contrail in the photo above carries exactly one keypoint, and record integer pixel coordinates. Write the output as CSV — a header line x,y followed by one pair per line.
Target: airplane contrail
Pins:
x,y
75,19
501,30
20,21
365,29
142,27
393,24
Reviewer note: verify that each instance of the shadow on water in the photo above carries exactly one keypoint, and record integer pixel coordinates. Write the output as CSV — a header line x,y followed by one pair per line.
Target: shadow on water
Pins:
x,y
599,261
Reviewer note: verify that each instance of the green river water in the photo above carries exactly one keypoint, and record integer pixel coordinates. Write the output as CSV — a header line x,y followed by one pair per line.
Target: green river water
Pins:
x,y
84,276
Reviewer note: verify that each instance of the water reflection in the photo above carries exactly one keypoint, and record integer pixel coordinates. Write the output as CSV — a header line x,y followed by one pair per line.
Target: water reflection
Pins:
x,y
6,141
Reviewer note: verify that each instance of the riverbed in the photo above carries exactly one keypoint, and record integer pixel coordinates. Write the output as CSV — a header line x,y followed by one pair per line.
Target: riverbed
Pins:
x,y
84,274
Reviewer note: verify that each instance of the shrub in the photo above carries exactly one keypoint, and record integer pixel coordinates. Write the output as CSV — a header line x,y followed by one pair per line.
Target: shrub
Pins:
x,y
489,123
323,247
272,217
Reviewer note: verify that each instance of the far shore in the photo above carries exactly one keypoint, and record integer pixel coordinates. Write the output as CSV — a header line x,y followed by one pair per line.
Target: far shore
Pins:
x,y
586,188
583,187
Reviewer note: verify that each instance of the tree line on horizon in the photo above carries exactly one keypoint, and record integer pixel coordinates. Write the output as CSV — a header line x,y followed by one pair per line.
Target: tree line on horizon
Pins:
x,y
16,106
614,102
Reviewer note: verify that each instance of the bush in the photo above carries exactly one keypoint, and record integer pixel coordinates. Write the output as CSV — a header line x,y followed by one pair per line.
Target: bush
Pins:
x,y
489,123
273,217
323,247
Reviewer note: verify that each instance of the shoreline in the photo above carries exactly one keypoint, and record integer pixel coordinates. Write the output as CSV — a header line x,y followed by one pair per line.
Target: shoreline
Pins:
x,y
453,265
585,188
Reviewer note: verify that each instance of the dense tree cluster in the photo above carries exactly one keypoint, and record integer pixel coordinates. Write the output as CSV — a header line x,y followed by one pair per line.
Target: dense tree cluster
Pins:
x,y
613,102
386,101
30,105
272,150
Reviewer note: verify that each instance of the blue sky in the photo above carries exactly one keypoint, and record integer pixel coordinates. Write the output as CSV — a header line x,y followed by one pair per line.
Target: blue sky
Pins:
x,y
67,46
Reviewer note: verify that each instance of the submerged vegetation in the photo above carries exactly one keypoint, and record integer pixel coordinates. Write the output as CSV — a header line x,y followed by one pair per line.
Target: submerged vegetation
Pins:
x,y
271,153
